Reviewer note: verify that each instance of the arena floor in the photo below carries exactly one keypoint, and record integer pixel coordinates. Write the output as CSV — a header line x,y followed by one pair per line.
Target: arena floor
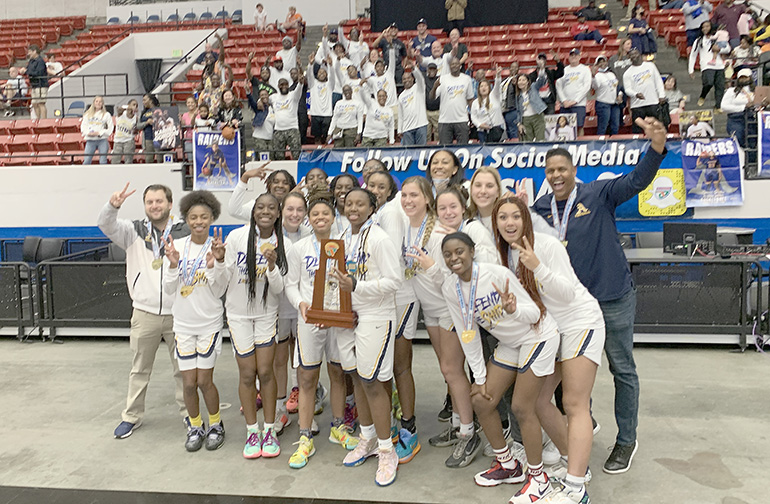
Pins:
x,y
703,434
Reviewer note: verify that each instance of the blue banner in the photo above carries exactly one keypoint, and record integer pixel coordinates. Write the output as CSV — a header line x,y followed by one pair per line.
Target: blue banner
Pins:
x,y
515,161
712,173
216,161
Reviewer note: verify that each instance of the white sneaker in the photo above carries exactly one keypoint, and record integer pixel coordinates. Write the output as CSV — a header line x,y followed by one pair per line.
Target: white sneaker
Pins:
x,y
320,397
314,428
566,496
558,471
517,449
551,454
532,491
282,420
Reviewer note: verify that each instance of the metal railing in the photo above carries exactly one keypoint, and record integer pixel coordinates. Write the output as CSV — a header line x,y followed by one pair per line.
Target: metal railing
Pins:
x,y
16,300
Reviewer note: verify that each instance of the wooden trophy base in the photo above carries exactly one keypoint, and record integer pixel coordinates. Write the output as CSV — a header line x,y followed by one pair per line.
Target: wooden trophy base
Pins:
x,y
345,320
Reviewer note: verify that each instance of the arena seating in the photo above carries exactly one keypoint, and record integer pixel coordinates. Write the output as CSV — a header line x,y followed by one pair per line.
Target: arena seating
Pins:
x,y
17,34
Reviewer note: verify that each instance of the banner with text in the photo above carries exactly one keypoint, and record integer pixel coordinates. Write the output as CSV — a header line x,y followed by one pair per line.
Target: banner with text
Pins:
x,y
515,161
216,160
712,173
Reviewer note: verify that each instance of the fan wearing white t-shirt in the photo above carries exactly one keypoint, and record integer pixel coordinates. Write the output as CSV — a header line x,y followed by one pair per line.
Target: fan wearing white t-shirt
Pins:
x,y
321,87
379,127
285,104
456,92
412,114
357,49
348,120
288,53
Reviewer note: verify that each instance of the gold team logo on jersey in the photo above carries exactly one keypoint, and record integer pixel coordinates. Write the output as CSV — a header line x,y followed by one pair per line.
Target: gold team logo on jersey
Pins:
x,y
581,210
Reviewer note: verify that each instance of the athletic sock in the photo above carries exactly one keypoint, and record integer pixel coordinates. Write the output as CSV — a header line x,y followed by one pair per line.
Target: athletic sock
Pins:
x,y
385,444
306,432
536,471
505,457
368,432
337,421
197,421
455,419
575,482
269,426
350,400
215,418
252,428
409,424
466,429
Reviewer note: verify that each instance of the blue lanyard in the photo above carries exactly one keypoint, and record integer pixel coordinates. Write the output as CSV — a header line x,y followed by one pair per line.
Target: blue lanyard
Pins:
x,y
414,244
164,236
561,224
467,310
187,279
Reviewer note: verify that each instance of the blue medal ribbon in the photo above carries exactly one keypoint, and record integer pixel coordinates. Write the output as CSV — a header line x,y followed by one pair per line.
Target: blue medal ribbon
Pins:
x,y
468,310
164,236
414,245
561,224
187,278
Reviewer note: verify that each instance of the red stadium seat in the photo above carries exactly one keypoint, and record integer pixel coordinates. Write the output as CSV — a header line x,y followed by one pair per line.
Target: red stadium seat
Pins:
x,y
21,127
47,142
42,126
71,142
21,143
69,125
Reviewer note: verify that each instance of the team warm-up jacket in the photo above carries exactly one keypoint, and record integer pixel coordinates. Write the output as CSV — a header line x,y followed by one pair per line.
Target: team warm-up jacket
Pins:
x,y
302,260
392,219
425,282
145,284
286,311
483,241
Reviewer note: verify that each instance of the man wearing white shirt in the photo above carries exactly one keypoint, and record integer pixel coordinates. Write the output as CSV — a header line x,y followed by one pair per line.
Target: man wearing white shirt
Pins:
x,y
437,56
321,107
573,88
456,93
644,86
412,115
288,54
357,49
286,131
278,72
348,120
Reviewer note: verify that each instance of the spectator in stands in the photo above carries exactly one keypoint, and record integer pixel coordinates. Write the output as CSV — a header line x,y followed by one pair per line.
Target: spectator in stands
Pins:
x,y
357,49
609,99
187,123
760,34
151,320
347,77
620,61
455,14
341,67
532,107
456,93
302,119
53,67
285,104
432,105
745,55
644,86
573,88
728,15
510,106
211,94
289,51
367,68
208,52
14,90
125,129
278,72
699,129
293,21
347,120
261,82
204,120
642,36
695,13
437,57
263,123
593,13
384,79
146,121
738,102
712,66
412,114
544,79
37,73
379,127
96,128
321,87
423,41
674,96
388,40
478,76
230,113
486,110
260,18
456,48
585,30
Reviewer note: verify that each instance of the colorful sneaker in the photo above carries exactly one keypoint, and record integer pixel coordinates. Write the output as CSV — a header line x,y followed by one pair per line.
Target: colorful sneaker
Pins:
x,y
320,397
532,491
351,417
253,447
342,435
394,433
568,496
304,451
292,403
270,445
364,449
446,438
387,467
407,446
195,438
395,403
215,436
465,450
445,414
124,430
497,475
282,420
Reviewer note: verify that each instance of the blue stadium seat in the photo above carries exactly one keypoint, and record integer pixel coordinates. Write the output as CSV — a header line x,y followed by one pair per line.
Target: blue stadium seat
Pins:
x,y
190,16
173,18
238,16
153,18
113,21
133,19
206,16
222,14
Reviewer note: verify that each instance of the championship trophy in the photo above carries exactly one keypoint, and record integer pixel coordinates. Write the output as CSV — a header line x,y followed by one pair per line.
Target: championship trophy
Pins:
x,y
331,305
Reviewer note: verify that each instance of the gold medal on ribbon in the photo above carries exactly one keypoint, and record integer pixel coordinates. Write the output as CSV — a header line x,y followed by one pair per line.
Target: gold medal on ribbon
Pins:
x,y
186,290
157,263
467,336
408,273
564,243
148,238
265,247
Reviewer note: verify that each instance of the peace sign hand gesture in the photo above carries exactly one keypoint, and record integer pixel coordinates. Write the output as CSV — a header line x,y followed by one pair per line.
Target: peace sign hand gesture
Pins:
x,y
171,252
118,197
217,248
423,259
508,299
527,255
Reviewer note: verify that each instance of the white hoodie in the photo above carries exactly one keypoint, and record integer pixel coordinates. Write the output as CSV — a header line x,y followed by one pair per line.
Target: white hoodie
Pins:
x,y
574,85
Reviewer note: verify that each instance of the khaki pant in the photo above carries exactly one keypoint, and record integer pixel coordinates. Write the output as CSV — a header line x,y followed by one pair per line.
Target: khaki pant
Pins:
x,y
147,331
433,125
534,128
374,142
348,138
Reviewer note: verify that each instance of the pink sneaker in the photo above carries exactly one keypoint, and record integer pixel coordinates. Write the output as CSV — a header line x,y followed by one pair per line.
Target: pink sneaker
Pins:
x,y
387,467
364,449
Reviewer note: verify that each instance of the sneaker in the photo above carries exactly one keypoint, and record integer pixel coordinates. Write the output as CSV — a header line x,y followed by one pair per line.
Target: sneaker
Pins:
x,y
446,438
568,496
489,451
125,429
597,426
270,445
253,447
620,459
497,475
320,397
314,428
387,467
395,403
532,491
195,438
364,449
465,450
292,403
304,451
407,446
351,417
186,422
342,435
558,471
215,436
281,422
445,414
701,101
551,454
394,433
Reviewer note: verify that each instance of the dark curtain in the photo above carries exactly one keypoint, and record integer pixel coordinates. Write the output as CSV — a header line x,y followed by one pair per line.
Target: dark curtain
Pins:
x,y
149,71
478,13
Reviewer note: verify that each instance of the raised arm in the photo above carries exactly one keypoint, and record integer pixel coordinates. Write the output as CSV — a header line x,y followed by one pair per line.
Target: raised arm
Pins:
x,y
119,231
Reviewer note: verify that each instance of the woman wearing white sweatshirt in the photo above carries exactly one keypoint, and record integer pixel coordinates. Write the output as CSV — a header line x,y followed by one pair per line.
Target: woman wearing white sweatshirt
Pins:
x,y
487,112
707,52
96,128
379,126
